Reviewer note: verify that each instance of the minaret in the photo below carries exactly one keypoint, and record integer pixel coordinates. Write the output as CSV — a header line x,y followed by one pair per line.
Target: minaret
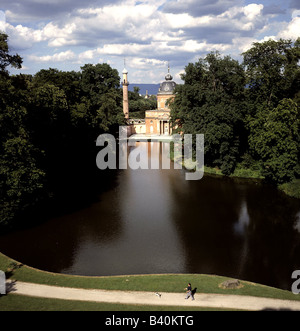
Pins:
x,y
125,94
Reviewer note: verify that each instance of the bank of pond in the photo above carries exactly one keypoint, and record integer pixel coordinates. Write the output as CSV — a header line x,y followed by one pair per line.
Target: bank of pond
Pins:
x,y
157,222
170,283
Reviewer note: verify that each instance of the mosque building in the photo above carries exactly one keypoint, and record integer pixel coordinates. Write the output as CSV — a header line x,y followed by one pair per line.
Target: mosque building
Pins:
x,y
156,122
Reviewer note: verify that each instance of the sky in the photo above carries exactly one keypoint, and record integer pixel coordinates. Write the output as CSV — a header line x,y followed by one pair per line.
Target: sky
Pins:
x,y
147,34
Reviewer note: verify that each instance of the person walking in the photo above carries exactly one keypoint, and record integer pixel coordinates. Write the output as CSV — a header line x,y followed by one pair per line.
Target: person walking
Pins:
x,y
189,292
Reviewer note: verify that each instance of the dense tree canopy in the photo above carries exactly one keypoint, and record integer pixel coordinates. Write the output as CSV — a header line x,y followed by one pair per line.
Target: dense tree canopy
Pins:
x,y
274,140
49,122
273,75
211,102
248,112
139,104
21,178
272,69
46,121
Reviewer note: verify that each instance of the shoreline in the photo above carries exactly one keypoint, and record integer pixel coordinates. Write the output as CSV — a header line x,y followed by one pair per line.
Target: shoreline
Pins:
x,y
291,189
171,283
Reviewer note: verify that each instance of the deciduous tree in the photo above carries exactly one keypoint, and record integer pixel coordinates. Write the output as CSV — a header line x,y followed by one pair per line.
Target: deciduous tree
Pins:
x,y
211,102
274,139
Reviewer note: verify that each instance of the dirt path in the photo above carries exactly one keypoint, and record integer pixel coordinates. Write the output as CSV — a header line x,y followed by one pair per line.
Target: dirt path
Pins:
x,y
149,298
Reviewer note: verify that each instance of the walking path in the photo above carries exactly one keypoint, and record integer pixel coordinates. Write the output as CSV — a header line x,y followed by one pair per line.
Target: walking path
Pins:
x,y
149,298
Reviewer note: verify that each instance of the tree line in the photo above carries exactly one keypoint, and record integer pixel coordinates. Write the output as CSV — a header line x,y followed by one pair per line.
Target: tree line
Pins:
x,y
249,111
138,105
49,121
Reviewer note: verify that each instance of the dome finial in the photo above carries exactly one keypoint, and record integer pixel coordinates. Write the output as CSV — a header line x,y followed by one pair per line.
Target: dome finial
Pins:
x,y
169,76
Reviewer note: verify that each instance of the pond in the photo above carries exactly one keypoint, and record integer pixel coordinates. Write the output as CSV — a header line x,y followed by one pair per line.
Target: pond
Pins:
x,y
155,221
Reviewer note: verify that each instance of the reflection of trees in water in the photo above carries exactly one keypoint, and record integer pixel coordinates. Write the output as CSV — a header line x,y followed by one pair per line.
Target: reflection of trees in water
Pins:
x,y
272,238
238,229
205,215
52,244
227,227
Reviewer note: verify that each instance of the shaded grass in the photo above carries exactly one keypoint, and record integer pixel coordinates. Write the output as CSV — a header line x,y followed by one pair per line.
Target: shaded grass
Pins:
x,y
16,302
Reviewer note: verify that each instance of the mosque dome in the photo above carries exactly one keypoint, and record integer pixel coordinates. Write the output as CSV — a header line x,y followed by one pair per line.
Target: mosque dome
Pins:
x,y
168,86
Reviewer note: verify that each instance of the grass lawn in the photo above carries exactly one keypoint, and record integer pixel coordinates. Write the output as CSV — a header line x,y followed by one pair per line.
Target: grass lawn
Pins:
x,y
16,302
153,283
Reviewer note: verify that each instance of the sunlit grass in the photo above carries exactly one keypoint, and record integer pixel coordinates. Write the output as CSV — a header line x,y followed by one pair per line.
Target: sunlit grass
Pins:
x,y
172,283
292,189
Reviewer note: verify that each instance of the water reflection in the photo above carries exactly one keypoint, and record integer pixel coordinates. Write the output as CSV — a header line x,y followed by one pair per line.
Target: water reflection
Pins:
x,y
148,240
297,223
154,221
206,222
241,226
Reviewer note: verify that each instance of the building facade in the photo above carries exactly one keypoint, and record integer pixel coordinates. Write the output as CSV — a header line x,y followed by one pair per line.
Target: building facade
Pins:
x,y
138,126
158,121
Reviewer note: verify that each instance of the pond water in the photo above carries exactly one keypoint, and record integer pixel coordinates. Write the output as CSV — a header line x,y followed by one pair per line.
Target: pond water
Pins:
x,y
155,221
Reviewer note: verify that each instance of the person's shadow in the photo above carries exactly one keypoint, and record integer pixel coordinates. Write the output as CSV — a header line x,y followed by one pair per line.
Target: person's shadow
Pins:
x,y
11,286
194,291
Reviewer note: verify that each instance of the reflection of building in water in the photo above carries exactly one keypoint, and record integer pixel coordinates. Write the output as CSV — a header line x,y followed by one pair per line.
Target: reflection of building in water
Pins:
x,y
156,122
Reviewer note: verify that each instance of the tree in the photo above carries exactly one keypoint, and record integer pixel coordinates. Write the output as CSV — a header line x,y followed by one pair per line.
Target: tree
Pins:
x,y
5,58
274,139
272,71
21,178
136,90
211,102
46,121
138,104
273,75
69,82
48,115
97,80
100,106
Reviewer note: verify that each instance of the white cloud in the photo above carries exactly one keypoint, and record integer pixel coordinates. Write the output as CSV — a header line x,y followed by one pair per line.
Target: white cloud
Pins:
x,y
57,57
253,10
2,21
292,30
296,13
143,32
146,63
22,37
138,25
87,55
